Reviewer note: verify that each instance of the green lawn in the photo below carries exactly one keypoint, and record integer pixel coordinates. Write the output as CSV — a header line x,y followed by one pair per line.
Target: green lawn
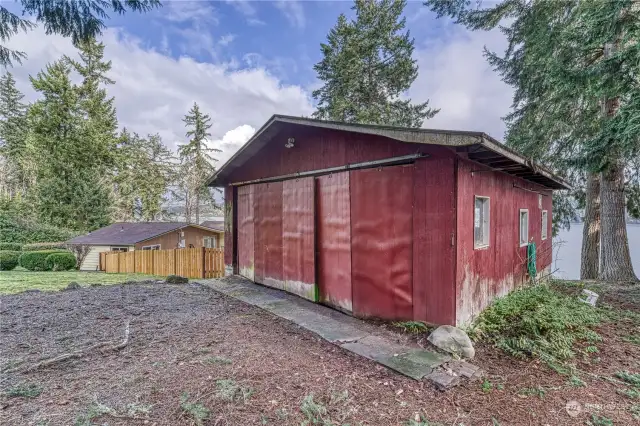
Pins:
x,y
20,280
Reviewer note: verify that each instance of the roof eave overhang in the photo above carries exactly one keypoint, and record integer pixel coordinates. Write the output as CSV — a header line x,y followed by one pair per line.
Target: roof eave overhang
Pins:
x,y
453,139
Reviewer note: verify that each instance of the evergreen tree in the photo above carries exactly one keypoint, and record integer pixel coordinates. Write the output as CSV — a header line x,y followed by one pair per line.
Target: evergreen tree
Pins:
x,y
367,67
573,65
99,127
145,168
79,19
196,162
13,126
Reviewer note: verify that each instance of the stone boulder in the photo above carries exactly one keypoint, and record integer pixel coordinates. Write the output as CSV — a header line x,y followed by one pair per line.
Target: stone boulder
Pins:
x,y
73,286
453,340
176,279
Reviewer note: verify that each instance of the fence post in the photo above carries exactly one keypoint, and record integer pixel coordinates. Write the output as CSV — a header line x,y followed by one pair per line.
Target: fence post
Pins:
x,y
204,262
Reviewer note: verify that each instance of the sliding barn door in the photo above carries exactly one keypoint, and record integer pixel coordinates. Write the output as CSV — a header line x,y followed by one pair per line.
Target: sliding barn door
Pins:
x,y
334,240
298,237
246,231
268,234
381,242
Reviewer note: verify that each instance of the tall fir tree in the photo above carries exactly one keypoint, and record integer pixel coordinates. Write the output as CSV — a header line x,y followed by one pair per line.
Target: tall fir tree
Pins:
x,y
196,162
99,127
81,20
367,67
13,134
73,139
573,65
144,170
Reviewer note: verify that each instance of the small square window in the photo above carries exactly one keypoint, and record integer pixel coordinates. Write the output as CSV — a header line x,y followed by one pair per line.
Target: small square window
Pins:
x,y
524,227
545,224
481,222
210,242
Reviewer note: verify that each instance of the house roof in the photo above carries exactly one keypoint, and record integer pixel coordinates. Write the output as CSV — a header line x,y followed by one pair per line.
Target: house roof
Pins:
x,y
479,147
130,233
214,224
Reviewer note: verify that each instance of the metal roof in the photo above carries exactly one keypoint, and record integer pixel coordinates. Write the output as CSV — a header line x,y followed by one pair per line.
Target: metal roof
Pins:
x,y
479,147
130,233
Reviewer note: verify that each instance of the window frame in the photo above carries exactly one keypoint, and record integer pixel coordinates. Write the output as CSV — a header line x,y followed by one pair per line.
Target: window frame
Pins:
x,y
526,240
475,199
214,242
152,247
119,249
545,225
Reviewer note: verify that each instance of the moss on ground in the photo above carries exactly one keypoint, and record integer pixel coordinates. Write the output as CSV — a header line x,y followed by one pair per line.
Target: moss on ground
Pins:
x,y
20,280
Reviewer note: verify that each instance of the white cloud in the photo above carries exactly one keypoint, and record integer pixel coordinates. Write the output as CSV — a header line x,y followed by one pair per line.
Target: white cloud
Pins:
x,y
293,11
247,9
226,39
154,91
455,77
231,142
187,10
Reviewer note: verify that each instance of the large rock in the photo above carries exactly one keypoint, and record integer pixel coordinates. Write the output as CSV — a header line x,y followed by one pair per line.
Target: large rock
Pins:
x,y
453,340
177,279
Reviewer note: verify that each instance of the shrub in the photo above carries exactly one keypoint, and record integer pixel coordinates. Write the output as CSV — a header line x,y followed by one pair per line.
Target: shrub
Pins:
x,y
61,261
10,247
14,229
8,260
57,246
36,260
538,322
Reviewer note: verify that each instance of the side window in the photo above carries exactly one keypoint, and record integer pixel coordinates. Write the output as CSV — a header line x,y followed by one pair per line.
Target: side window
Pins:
x,y
524,227
481,222
545,224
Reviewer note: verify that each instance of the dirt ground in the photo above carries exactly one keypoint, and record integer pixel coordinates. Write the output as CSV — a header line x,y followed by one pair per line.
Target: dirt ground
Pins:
x,y
247,367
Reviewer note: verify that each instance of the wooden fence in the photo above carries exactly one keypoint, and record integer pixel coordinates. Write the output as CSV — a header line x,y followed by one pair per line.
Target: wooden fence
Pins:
x,y
198,262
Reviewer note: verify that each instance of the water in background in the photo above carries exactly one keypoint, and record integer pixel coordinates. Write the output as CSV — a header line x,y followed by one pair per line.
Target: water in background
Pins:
x,y
567,246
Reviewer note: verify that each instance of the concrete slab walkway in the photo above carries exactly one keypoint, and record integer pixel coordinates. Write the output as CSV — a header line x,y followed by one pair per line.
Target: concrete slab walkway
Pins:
x,y
343,330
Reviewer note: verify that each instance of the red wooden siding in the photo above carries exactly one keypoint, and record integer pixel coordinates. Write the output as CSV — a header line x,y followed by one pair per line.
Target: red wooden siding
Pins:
x,y
298,237
381,258
246,243
433,240
229,236
483,274
317,149
334,240
268,234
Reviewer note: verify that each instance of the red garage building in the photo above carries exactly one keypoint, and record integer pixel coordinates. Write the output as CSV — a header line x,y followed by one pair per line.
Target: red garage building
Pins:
x,y
385,222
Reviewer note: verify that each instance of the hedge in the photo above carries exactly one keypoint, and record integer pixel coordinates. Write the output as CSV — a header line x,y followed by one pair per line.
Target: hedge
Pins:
x,y
61,261
36,260
9,259
18,230
57,246
10,247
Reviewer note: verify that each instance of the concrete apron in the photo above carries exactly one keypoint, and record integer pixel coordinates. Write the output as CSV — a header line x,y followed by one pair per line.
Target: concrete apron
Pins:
x,y
347,332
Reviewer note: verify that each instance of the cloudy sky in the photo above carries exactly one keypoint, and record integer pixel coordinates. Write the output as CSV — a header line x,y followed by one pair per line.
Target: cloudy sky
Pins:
x,y
244,61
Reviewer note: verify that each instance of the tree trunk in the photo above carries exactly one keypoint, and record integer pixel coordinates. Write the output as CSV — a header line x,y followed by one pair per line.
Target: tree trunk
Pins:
x,y
616,265
197,208
590,260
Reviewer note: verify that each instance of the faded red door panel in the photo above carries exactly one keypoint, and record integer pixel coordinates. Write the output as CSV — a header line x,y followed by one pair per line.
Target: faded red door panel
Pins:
x,y
270,232
259,241
334,240
298,237
246,231
381,242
